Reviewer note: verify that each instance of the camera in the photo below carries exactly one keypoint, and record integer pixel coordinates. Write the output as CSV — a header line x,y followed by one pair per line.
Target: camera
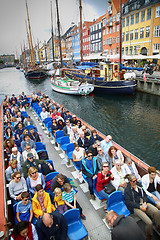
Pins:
x,y
108,175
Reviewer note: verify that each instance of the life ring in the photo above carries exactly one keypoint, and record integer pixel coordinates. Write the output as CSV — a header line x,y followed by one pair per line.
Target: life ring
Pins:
x,y
116,73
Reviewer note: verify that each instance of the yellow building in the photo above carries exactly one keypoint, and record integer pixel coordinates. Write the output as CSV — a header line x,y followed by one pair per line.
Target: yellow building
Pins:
x,y
138,27
156,31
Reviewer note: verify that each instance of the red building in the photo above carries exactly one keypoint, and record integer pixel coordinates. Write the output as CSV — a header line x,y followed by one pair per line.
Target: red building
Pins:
x,y
86,38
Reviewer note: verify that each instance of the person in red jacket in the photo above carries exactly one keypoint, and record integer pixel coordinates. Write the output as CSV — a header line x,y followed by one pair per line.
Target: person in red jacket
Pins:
x,y
23,231
103,178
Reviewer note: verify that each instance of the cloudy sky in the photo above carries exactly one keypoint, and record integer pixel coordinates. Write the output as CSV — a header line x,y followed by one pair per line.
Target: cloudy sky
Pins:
x,y
13,16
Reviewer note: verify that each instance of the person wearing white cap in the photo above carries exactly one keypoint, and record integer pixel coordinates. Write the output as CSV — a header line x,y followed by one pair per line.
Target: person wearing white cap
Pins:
x,y
17,155
118,172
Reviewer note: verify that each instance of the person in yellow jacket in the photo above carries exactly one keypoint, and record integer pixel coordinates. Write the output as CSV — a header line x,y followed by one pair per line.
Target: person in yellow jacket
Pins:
x,y
41,202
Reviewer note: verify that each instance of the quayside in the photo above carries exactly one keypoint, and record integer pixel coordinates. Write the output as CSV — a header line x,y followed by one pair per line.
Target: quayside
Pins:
x,y
94,210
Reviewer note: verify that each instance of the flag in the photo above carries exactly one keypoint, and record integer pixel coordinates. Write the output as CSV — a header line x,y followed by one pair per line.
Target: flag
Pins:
x,y
144,77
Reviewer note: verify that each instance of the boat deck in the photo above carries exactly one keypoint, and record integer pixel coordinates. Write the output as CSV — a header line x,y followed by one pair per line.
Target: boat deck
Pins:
x,y
94,213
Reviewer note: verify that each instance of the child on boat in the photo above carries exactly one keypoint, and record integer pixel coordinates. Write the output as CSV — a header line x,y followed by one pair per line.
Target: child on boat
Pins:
x,y
24,209
59,203
69,196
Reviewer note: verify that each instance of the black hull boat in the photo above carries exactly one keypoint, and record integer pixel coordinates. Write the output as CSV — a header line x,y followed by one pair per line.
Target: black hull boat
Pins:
x,y
36,75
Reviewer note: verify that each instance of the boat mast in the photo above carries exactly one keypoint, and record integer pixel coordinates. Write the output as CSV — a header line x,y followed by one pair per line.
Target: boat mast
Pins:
x,y
59,35
29,44
120,32
52,32
30,34
81,40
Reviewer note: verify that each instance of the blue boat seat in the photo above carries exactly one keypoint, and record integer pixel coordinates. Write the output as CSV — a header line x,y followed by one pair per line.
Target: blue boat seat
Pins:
x,y
40,146
46,120
64,142
24,114
43,154
50,176
76,229
95,189
58,135
31,126
69,150
115,202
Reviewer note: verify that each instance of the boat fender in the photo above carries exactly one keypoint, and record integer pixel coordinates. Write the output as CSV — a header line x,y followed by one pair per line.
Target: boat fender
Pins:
x,y
116,73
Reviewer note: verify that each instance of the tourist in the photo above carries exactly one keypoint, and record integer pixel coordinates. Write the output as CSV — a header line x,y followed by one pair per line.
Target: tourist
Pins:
x,y
52,226
74,135
13,167
28,121
90,170
130,168
24,209
44,114
93,147
8,145
87,132
67,116
124,228
67,129
27,150
106,144
17,155
94,136
8,132
119,181
78,154
102,157
58,181
41,202
149,183
16,187
24,230
79,124
83,141
56,114
60,124
33,179
115,154
69,197
74,120
26,140
103,178
34,135
136,202
59,203
54,126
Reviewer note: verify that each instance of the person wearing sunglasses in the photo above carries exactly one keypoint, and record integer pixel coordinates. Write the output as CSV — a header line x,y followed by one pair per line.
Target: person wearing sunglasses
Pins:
x,y
24,209
16,187
137,203
89,171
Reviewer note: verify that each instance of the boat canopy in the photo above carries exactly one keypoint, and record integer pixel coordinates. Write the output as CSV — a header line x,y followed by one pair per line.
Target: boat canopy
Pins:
x,y
130,68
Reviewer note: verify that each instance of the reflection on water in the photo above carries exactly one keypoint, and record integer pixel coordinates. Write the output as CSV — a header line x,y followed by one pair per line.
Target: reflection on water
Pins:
x,y
133,121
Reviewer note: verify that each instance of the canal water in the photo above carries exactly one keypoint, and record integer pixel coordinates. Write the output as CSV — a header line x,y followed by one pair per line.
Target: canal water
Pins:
x,y
133,121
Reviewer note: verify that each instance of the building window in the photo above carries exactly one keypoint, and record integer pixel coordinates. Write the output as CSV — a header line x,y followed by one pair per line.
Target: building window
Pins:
x,y
100,34
131,50
114,40
110,51
123,35
131,35
118,16
142,33
96,35
104,32
114,51
156,47
107,21
107,31
142,16
114,18
147,31
127,36
149,14
136,33
157,31
126,50
123,22
110,30
104,22
132,19
117,28
117,39
110,20
114,29
135,50
127,21
158,11
117,50
103,42
122,50
137,17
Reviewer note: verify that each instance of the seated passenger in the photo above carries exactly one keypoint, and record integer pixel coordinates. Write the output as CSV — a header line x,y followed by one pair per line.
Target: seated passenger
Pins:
x,y
27,150
119,181
16,187
136,202
34,135
60,124
115,154
130,168
44,114
78,154
87,132
24,209
103,178
26,140
74,120
13,167
79,124
106,144
74,135
8,132
24,230
67,129
41,202
69,197
149,183
19,130
93,147
59,203
90,170
28,121
58,181
94,137
33,179
54,126
83,141
102,157
68,116
17,155
56,114
8,145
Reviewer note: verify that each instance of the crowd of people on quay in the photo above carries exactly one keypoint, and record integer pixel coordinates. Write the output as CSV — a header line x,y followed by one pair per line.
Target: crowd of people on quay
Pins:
x,y
39,205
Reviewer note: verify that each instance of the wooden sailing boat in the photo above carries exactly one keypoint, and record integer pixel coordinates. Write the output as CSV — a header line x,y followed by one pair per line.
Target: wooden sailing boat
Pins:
x,y
33,73
107,77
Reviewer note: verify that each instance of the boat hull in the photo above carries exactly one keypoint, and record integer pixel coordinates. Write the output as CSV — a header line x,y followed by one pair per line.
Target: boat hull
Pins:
x,y
121,87
37,75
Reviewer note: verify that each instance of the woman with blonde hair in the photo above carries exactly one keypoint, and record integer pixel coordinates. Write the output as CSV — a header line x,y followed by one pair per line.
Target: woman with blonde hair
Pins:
x,y
13,167
34,178
16,187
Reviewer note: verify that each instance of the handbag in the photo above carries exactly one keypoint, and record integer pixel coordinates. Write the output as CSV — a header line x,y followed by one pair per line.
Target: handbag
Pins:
x,y
109,188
